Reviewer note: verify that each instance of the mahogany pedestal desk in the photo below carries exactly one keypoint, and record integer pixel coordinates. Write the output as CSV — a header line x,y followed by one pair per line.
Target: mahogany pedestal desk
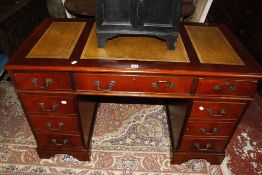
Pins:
x,y
206,84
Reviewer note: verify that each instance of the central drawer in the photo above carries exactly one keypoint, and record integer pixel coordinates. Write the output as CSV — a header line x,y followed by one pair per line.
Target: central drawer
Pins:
x,y
164,84
132,83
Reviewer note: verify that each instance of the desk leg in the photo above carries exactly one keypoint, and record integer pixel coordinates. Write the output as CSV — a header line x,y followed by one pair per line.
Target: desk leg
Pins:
x,y
78,153
87,114
177,115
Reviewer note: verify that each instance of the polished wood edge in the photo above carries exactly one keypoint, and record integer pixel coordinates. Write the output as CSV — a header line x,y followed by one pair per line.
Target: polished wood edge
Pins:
x,y
189,46
133,94
205,137
68,133
76,54
194,85
46,93
135,71
108,69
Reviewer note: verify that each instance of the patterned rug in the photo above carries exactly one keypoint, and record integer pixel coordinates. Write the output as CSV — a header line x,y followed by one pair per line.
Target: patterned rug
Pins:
x,y
138,143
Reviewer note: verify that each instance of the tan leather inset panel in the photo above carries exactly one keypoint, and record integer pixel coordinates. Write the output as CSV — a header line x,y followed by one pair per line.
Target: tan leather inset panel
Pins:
x,y
58,41
134,48
211,46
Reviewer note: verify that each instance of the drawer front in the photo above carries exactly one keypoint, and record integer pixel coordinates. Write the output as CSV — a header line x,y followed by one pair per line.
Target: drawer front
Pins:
x,y
58,140
59,124
226,87
104,83
164,84
211,129
203,145
107,83
217,110
48,104
42,81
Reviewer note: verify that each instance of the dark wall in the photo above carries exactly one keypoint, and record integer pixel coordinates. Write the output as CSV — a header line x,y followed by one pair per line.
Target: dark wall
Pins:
x,y
56,8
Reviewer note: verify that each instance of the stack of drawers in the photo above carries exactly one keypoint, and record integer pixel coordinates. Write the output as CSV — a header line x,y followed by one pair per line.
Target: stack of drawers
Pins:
x,y
214,116
55,117
52,114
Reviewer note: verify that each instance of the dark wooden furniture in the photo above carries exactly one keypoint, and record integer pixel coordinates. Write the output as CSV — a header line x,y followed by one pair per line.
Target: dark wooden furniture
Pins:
x,y
17,20
3,61
86,8
244,19
81,8
206,94
138,17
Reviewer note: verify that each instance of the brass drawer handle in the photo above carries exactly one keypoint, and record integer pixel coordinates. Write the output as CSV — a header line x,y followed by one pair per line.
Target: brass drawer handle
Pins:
x,y
48,81
212,131
197,147
170,85
53,108
230,87
111,85
64,142
221,113
59,126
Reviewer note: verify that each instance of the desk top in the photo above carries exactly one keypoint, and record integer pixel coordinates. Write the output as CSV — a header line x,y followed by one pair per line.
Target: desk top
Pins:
x,y
70,45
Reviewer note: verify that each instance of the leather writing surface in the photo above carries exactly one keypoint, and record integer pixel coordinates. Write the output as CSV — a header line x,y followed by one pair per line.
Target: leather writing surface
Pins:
x,y
58,41
211,46
134,48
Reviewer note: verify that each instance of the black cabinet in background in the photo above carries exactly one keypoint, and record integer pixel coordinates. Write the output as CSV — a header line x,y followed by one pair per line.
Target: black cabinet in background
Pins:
x,y
244,17
159,18
18,18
